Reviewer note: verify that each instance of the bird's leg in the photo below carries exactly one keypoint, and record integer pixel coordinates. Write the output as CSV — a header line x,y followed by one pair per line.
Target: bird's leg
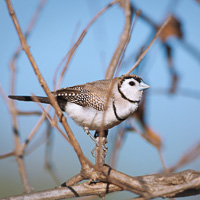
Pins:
x,y
99,134
95,139
104,135
90,135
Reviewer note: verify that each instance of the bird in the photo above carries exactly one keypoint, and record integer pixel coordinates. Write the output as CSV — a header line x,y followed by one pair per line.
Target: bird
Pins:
x,y
103,103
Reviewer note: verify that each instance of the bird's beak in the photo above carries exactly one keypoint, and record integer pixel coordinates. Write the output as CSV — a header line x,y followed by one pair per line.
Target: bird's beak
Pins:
x,y
143,86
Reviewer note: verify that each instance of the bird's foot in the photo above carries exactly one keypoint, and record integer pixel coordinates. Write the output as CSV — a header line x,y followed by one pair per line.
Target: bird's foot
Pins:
x,y
103,147
95,139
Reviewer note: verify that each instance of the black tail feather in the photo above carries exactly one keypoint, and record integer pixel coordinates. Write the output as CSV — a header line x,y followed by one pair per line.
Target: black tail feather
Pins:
x,y
61,102
30,98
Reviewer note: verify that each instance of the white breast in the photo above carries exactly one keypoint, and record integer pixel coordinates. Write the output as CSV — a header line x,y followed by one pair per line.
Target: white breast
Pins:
x,y
92,119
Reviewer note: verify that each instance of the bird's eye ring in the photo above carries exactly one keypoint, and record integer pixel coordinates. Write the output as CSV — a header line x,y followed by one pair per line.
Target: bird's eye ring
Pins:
x,y
131,83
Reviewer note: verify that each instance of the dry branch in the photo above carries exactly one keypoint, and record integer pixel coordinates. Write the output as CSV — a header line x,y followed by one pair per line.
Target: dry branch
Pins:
x,y
153,40
125,4
76,146
83,189
137,14
185,183
28,112
73,49
14,112
34,130
6,155
51,121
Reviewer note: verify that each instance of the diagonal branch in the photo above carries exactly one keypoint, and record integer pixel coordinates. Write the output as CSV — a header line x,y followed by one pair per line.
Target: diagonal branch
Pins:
x,y
146,50
75,46
34,130
125,4
42,82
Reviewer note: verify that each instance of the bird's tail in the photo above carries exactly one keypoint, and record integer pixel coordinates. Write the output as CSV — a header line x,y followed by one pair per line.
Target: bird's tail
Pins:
x,y
30,98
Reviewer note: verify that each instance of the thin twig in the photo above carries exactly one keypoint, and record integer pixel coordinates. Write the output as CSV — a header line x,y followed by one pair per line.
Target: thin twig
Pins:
x,y
17,149
27,34
65,57
73,49
153,40
137,14
5,98
28,112
6,155
52,122
122,42
34,130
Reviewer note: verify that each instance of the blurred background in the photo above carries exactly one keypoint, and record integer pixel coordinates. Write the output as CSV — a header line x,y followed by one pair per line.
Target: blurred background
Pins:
x,y
171,68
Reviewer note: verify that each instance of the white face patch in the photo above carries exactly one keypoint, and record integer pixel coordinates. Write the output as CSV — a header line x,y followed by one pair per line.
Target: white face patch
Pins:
x,y
130,89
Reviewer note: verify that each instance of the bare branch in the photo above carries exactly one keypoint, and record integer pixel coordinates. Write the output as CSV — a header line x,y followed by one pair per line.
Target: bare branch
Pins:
x,y
34,130
52,122
185,183
80,190
5,98
42,82
73,49
28,112
137,14
146,50
6,155
17,148
125,4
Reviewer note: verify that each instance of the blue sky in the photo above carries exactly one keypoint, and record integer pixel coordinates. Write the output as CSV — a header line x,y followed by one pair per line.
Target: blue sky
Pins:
x,y
174,117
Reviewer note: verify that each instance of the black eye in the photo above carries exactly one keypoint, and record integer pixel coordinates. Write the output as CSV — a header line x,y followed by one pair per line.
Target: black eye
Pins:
x,y
131,83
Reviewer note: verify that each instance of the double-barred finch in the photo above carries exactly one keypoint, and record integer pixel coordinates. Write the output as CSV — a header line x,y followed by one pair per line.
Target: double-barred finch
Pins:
x,y
110,101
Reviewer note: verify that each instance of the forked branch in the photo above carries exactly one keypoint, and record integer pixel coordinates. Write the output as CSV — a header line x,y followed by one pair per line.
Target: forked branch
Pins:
x,y
167,185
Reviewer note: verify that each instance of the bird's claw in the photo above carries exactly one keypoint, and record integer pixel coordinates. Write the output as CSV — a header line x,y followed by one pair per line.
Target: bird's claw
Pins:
x,y
95,139
103,147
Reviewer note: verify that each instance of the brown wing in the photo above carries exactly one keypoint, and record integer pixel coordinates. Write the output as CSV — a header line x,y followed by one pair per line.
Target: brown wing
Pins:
x,y
80,96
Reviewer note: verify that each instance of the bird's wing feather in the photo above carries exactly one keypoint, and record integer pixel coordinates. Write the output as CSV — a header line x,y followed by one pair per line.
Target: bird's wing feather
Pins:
x,y
82,96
